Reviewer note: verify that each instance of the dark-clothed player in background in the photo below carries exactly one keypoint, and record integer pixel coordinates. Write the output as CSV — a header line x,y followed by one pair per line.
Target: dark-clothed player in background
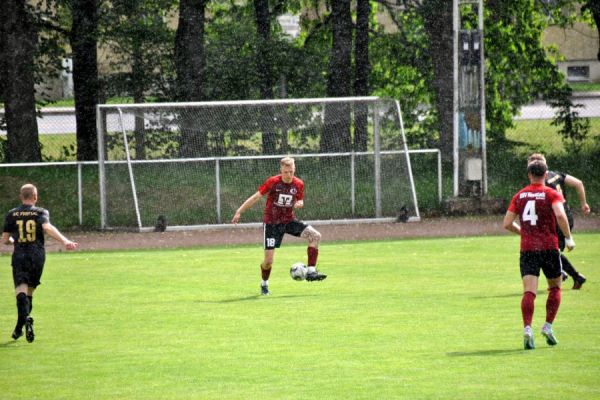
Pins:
x,y
24,227
284,192
539,208
559,181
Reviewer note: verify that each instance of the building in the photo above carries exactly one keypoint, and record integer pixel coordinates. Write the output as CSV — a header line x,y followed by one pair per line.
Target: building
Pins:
x,y
578,45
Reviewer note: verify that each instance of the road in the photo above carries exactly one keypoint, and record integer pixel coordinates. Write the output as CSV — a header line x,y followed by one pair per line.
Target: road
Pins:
x,y
540,110
62,120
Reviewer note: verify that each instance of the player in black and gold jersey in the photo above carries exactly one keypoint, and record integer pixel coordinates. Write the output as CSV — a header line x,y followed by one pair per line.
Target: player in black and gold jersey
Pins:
x,y
24,227
559,181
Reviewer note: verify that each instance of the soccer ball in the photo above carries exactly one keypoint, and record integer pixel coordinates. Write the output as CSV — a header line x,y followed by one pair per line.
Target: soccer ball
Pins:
x,y
298,271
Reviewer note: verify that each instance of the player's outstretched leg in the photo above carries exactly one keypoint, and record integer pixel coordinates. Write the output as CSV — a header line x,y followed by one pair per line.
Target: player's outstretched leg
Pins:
x,y
528,343
29,335
22,312
578,281
314,237
313,275
18,332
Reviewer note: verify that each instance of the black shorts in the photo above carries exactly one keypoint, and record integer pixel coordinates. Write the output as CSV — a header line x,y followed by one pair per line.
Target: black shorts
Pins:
x,y
273,233
28,267
547,260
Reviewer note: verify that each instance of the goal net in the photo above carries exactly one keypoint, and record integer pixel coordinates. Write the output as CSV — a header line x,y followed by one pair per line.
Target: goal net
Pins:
x,y
193,164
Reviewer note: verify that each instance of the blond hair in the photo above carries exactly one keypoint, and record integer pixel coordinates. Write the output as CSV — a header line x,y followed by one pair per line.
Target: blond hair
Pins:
x,y
536,157
287,162
28,192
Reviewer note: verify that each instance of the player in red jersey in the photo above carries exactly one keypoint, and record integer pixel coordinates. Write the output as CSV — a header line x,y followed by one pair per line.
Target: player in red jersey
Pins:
x,y
539,208
284,192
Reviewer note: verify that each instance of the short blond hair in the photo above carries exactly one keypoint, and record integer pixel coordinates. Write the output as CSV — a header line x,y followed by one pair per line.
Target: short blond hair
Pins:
x,y
28,191
536,157
287,162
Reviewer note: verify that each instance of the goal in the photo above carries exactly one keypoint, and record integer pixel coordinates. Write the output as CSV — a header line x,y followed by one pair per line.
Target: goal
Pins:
x,y
193,164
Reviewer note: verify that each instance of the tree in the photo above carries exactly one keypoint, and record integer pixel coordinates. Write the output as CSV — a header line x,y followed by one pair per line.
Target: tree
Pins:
x,y
362,68
83,41
593,6
265,70
437,18
141,41
336,133
189,66
520,68
19,37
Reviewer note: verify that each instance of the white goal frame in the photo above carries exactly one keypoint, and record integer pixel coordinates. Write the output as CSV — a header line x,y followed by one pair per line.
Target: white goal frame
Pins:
x,y
376,153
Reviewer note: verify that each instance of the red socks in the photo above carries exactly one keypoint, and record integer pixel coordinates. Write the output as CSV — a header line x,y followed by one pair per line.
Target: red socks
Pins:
x,y
313,253
527,306
552,304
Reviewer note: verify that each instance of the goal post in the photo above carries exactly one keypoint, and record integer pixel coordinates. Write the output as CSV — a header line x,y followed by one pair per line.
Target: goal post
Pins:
x,y
193,164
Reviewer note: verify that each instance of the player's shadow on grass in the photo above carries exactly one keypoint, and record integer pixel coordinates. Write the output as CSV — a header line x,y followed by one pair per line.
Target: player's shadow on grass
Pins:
x,y
500,296
10,343
486,353
254,297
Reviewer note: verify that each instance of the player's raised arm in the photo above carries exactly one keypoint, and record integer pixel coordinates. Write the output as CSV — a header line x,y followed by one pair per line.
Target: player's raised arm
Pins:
x,y
577,184
245,205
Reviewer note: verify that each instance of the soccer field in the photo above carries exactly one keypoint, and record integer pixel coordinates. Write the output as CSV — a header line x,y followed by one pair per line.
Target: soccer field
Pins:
x,y
404,319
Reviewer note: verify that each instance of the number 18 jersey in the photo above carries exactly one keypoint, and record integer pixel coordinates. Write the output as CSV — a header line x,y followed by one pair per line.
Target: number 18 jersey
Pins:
x,y
533,204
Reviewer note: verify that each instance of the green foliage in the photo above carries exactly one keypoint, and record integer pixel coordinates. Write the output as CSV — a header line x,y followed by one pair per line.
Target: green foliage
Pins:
x,y
519,69
142,45
573,129
405,76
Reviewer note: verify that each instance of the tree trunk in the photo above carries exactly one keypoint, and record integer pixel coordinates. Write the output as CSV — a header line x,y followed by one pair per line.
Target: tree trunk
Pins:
x,y
265,71
189,66
137,74
19,37
437,15
594,7
361,81
85,75
336,134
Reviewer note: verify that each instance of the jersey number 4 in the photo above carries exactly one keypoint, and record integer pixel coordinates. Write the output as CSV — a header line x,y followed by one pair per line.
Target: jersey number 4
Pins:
x,y
26,230
529,213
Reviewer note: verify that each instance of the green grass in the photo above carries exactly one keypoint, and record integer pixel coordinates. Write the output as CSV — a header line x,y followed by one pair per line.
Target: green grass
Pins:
x,y
410,319
585,87
540,135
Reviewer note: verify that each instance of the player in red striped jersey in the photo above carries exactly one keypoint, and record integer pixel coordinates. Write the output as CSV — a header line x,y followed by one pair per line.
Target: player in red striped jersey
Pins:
x,y
285,192
539,208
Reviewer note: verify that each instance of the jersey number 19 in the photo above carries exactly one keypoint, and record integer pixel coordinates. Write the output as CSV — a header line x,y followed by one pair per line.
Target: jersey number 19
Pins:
x,y
26,230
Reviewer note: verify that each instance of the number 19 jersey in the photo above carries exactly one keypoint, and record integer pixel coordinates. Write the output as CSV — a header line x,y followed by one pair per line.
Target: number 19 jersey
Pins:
x,y
24,224
533,204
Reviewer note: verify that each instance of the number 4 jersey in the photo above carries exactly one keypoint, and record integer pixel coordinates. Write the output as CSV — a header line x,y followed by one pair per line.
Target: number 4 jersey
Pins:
x,y
24,224
281,198
533,205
